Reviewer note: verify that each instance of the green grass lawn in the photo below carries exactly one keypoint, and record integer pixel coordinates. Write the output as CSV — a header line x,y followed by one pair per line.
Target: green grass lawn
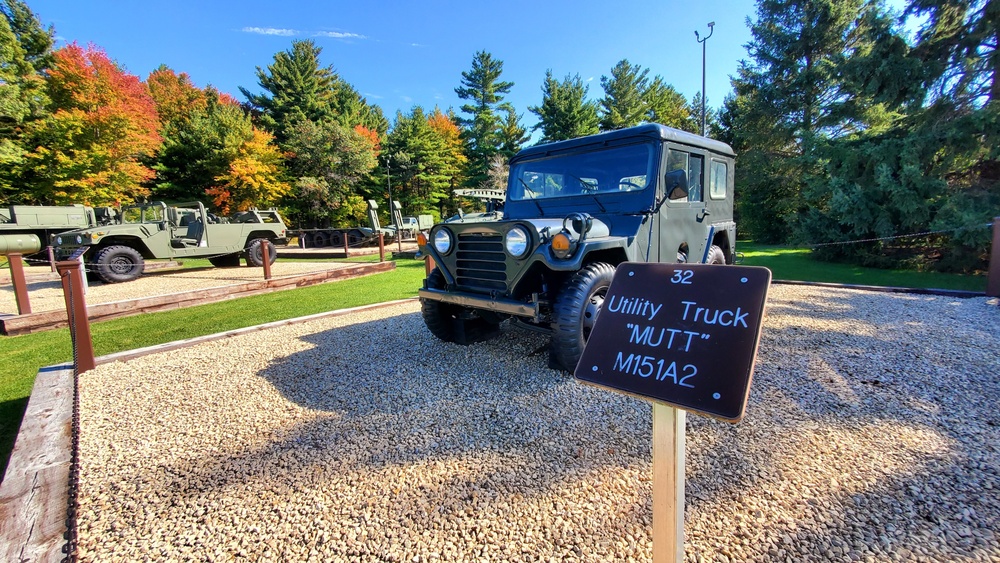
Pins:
x,y
24,355
797,264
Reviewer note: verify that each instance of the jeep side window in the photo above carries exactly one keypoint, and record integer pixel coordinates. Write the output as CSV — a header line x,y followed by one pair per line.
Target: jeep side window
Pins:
x,y
677,161
695,166
720,173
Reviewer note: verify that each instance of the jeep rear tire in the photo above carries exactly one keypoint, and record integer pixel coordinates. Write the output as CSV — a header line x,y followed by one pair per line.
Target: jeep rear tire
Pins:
x,y
576,309
454,323
116,264
255,252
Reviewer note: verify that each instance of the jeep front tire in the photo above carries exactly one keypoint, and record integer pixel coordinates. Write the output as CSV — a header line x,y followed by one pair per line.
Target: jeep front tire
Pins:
x,y
116,264
576,309
454,323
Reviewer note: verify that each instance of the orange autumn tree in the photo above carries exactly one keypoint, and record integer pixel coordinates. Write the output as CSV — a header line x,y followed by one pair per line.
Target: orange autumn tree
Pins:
x,y
175,96
103,123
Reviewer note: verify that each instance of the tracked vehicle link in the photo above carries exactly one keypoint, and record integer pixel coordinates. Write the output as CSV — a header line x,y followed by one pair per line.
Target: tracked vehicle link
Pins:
x,y
574,211
117,253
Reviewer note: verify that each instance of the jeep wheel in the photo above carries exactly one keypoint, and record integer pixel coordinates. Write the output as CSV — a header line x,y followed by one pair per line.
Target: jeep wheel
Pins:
x,y
115,264
255,252
716,255
576,309
231,260
453,323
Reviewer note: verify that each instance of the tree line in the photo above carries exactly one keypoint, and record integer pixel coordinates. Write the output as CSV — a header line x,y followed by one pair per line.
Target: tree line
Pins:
x,y
846,128
77,128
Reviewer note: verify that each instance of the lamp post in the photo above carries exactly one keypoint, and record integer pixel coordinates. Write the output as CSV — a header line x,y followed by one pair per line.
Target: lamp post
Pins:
x,y
388,185
711,30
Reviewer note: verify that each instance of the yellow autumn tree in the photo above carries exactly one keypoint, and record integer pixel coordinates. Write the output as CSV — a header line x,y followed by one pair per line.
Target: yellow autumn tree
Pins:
x,y
254,177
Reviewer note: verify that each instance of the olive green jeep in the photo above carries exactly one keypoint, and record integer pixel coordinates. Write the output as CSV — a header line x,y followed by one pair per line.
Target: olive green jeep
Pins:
x,y
117,253
574,211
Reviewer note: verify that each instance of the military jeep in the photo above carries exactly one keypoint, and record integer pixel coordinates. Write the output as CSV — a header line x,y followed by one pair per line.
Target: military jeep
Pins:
x,y
575,210
117,253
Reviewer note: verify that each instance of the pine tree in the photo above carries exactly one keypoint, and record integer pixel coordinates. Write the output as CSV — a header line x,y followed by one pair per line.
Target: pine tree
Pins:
x,y
565,112
667,106
297,89
484,92
624,101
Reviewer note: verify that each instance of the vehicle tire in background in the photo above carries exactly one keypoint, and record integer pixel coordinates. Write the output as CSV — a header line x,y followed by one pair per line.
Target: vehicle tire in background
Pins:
x,y
255,252
117,263
576,308
716,255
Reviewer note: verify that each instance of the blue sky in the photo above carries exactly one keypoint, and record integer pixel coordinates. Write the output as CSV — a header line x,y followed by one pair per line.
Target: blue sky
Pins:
x,y
399,54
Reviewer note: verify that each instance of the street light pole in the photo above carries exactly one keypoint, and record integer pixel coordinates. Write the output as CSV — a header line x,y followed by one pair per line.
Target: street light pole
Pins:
x,y
711,30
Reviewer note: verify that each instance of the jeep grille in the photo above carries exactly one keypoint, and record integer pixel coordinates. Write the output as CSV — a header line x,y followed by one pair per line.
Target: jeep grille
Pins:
x,y
480,262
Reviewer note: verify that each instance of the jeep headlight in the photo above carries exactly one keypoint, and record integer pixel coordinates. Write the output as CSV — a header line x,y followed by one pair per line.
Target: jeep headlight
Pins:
x,y
516,242
443,241
79,239
59,241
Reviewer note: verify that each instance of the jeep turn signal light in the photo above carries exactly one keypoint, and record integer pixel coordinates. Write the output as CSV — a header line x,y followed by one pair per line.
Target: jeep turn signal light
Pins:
x,y
421,239
562,246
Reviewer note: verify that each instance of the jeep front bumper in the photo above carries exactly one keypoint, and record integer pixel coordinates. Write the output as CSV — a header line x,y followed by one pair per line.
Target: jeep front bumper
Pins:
x,y
496,304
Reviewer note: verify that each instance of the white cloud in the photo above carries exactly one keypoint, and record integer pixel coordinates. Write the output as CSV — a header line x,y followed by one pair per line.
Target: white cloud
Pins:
x,y
270,31
339,35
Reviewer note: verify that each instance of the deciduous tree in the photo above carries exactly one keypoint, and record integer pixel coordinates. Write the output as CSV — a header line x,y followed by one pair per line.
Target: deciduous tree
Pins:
x,y
103,123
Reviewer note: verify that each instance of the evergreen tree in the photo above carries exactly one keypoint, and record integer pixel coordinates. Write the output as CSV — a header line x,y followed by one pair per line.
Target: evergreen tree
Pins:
x,y
565,112
297,89
25,53
667,106
624,102
484,92
512,135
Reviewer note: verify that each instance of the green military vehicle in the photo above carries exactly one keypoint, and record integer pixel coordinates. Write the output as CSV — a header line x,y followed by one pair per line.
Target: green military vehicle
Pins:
x,y
574,211
45,220
117,253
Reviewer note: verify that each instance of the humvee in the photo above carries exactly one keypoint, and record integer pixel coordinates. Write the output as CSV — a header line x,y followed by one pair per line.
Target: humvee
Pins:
x,y
575,210
117,253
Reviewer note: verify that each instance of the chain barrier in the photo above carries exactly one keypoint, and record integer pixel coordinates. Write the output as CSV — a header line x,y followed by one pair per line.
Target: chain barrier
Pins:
x,y
894,237
72,510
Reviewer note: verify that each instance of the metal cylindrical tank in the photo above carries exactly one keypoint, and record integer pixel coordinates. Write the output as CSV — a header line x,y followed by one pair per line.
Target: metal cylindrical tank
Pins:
x,y
24,244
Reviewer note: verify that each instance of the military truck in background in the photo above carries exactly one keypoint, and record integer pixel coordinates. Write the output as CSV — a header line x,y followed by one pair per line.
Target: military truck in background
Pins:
x,y
117,252
573,211
44,221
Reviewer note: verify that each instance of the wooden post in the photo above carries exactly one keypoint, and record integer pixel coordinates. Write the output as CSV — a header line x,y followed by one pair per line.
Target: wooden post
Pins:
x,y
52,257
20,285
993,279
76,309
429,266
267,259
347,249
381,247
668,484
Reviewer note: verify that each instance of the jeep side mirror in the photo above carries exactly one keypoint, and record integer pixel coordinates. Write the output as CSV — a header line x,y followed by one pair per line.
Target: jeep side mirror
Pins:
x,y
675,184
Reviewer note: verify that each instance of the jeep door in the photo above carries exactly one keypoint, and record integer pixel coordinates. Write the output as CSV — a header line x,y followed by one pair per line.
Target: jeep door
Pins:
x,y
683,217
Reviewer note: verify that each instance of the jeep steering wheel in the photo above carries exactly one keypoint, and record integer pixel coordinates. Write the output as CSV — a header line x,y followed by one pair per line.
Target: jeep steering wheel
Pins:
x,y
628,183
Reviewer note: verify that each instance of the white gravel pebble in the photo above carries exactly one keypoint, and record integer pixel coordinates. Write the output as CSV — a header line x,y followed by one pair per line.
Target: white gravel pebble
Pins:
x,y
47,294
872,434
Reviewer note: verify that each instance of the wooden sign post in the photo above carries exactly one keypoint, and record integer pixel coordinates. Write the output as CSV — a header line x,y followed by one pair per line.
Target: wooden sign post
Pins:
x,y
685,337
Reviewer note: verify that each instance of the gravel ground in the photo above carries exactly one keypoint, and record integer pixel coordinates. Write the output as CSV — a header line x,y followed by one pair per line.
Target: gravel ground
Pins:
x,y
872,434
47,295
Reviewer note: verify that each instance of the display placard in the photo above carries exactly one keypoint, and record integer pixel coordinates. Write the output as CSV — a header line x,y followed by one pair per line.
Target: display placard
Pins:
x,y
682,334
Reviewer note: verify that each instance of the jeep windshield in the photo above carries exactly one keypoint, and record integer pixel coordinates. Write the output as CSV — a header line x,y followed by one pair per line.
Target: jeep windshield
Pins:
x,y
605,170
144,214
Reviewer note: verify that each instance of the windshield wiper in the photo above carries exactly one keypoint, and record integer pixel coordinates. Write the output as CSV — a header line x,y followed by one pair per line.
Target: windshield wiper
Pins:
x,y
527,189
592,186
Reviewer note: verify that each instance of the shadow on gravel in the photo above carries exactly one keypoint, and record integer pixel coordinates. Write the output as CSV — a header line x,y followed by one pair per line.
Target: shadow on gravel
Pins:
x,y
864,435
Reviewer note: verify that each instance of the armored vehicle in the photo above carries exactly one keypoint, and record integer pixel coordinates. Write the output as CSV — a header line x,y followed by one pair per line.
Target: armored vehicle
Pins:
x,y
575,210
117,253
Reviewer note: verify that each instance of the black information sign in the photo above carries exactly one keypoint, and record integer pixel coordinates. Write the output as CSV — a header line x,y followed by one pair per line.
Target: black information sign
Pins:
x,y
683,334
